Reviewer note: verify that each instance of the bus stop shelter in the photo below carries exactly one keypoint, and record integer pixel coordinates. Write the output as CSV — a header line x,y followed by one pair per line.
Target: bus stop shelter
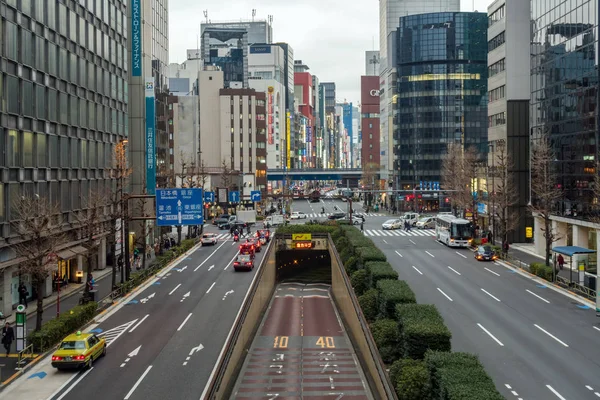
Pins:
x,y
579,257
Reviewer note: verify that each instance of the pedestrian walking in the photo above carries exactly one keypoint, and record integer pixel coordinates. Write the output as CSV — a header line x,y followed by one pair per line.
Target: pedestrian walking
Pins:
x,y
362,227
8,335
505,247
23,293
561,261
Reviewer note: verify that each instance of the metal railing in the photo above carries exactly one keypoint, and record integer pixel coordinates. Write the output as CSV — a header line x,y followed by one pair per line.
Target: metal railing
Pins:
x,y
23,355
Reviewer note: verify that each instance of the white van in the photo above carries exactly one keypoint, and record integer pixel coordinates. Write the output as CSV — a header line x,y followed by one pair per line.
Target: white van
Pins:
x,y
412,218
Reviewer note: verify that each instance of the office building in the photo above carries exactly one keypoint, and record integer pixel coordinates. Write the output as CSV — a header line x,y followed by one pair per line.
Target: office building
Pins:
x,y
372,63
318,124
259,31
329,95
390,12
61,116
441,98
227,48
304,102
508,101
564,101
369,121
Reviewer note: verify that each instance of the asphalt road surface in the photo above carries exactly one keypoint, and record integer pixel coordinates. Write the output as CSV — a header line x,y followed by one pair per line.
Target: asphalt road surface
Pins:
x,y
301,351
534,342
164,342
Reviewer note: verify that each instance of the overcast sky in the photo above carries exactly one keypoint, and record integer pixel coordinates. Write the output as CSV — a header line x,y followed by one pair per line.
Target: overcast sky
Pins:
x,y
330,36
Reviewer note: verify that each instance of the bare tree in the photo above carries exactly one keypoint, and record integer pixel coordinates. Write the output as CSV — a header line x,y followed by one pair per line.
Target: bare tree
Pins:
x,y
39,229
226,180
459,168
141,209
91,221
450,174
120,173
544,189
468,176
502,193
202,175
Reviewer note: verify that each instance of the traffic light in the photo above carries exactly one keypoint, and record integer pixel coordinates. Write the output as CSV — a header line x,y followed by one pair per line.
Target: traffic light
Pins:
x,y
206,205
447,200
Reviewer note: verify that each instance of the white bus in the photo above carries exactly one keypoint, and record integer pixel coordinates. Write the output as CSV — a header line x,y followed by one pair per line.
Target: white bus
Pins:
x,y
453,231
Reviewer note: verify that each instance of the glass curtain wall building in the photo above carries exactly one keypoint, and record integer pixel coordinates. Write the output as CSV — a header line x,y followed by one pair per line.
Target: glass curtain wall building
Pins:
x,y
64,106
442,91
564,94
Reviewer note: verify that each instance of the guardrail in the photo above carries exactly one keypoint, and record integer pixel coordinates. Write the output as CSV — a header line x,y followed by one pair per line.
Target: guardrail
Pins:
x,y
27,352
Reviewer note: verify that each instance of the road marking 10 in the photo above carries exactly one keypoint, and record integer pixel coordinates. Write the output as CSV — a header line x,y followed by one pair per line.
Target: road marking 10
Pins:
x,y
281,342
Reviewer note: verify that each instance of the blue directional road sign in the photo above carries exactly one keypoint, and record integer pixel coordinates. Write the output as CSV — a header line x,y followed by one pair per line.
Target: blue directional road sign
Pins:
x,y
209,197
234,197
255,195
179,207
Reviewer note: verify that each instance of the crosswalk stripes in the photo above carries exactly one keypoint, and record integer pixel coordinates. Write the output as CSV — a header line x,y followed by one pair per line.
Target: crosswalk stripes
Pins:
x,y
321,215
413,232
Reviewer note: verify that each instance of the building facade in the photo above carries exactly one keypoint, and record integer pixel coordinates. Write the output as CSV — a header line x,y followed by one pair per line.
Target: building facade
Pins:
x,y
508,96
227,48
259,31
329,95
564,99
372,63
304,101
441,97
210,82
64,107
369,121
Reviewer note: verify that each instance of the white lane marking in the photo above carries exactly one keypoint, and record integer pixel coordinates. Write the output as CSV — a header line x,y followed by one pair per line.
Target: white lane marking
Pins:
x,y
489,294
229,263
551,335
462,255
417,270
211,267
555,392
515,393
490,334
596,328
489,270
410,240
138,382
429,254
442,292
589,387
507,386
173,291
209,256
211,286
139,323
385,241
74,384
184,321
453,270
398,253
539,297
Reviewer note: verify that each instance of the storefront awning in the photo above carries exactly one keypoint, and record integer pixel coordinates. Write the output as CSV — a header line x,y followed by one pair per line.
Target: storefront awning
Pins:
x,y
71,253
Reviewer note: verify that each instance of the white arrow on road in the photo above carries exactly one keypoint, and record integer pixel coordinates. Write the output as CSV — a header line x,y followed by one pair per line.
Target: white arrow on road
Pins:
x,y
185,296
194,350
211,267
145,299
132,354
228,293
182,269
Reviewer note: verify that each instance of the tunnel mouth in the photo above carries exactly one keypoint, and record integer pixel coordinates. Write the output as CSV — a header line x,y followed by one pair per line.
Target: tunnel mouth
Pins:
x,y
303,266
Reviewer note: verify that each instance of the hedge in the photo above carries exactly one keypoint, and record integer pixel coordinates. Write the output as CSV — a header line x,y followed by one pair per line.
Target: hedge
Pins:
x,y
341,243
370,253
356,237
312,228
368,304
421,328
541,270
385,334
410,378
351,265
459,376
360,281
346,254
380,270
391,293
57,329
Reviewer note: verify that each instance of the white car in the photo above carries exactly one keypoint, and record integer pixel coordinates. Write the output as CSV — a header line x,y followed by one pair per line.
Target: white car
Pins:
x,y
425,223
392,224
209,238
298,215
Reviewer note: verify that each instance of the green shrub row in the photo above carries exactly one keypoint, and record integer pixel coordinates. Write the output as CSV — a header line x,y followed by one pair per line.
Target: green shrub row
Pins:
x,y
410,378
57,329
541,270
391,293
421,328
379,270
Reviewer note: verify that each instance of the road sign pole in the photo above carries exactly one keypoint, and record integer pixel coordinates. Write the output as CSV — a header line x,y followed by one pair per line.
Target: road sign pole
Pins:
x,y
21,325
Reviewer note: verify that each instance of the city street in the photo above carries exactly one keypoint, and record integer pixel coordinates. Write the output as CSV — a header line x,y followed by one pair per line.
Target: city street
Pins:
x,y
527,335
167,337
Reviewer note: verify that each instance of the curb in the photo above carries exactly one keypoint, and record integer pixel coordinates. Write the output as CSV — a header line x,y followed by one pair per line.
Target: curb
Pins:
x,y
94,320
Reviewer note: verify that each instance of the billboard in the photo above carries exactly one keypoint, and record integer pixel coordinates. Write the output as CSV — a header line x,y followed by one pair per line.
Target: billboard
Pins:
x,y
270,113
150,137
288,138
260,50
309,134
136,37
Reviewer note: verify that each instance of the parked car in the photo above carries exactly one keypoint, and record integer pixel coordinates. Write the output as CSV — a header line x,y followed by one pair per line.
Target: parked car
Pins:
x,y
485,253
298,215
209,238
391,224
425,223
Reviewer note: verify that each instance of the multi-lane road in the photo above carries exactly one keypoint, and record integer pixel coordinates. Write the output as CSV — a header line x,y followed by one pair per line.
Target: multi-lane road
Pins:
x,y
163,342
536,343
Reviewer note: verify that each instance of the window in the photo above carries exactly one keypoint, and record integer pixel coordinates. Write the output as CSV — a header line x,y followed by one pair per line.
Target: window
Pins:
x,y
496,16
51,58
28,149
13,155
52,105
63,64
497,119
496,94
2,204
40,51
13,196
370,125
496,42
12,94
84,153
27,98
496,67
40,146
75,154
53,155
27,47
11,41
64,108
64,152
370,136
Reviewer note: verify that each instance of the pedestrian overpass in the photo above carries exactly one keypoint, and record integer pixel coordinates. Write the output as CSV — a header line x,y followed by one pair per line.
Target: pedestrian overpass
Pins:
x,y
315,174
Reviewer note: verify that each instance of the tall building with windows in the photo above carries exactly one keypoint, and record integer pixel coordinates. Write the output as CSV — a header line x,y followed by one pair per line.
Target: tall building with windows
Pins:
x,y
259,31
64,106
227,48
329,108
564,108
442,88
508,102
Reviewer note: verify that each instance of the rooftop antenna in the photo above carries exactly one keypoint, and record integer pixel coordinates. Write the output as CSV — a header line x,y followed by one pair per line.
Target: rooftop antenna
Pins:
x,y
205,15
253,14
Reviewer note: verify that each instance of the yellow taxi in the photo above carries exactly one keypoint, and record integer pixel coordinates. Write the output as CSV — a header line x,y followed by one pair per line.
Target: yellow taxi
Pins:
x,y
78,350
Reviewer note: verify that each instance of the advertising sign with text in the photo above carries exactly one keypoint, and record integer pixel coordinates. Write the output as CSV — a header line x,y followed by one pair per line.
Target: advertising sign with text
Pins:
x,y
136,37
150,137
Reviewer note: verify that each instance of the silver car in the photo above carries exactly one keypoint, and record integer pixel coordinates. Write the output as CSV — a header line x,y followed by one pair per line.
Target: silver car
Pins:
x,y
425,223
391,224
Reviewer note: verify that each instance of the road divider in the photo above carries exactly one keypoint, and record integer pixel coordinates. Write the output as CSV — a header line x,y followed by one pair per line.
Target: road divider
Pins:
x,y
539,297
139,323
490,334
445,295
210,288
491,272
184,321
173,291
453,270
489,294
551,335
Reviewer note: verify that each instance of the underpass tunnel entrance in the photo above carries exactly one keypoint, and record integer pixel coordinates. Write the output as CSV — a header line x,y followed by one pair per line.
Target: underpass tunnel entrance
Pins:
x,y
303,266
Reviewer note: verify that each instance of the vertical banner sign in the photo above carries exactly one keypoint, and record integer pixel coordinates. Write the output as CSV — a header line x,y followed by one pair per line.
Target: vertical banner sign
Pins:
x,y
150,138
309,134
270,114
136,37
288,138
